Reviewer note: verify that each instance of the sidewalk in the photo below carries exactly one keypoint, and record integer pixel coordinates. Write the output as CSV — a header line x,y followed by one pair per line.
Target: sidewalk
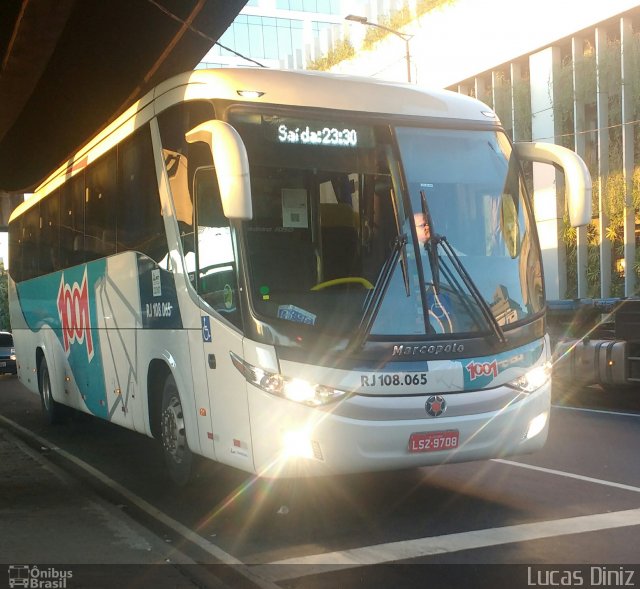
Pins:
x,y
48,519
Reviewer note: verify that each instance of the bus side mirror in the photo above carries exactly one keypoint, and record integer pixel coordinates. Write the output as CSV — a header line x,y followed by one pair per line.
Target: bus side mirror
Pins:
x,y
576,174
231,164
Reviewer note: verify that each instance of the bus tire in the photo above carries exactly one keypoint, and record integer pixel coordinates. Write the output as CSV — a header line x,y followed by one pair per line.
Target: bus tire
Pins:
x,y
53,411
177,455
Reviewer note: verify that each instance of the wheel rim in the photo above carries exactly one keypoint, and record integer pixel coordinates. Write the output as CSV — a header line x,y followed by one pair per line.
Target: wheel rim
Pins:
x,y
173,431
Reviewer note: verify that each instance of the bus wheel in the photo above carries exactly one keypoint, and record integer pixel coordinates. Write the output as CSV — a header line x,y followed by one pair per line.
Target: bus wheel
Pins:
x,y
177,456
52,410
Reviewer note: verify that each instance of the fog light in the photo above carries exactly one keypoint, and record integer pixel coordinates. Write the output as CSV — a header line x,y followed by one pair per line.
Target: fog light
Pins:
x,y
296,444
536,425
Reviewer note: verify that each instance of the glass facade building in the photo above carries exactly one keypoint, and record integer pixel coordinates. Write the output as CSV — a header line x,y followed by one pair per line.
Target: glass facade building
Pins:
x,y
280,33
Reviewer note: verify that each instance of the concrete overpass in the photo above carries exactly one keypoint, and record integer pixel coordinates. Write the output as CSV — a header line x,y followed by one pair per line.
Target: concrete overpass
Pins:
x,y
67,67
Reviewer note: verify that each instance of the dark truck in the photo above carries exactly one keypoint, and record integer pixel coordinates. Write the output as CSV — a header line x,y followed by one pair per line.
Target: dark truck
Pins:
x,y
596,341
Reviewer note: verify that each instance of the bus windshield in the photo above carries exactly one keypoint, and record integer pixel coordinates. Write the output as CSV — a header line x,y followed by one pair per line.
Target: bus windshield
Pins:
x,y
339,230
471,217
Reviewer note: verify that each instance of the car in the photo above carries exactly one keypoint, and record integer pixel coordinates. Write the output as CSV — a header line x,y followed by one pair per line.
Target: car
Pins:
x,y
7,354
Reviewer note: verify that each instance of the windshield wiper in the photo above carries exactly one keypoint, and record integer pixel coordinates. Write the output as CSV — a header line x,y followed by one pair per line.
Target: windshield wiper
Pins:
x,y
473,289
374,300
431,247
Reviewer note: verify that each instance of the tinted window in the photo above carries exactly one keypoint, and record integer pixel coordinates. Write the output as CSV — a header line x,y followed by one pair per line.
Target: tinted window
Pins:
x,y
50,233
214,264
204,230
100,208
15,248
177,120
72,222
182,160
30,243
140,225
111,206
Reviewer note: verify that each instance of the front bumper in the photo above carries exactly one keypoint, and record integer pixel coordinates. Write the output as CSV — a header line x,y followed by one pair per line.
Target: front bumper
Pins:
x,y
8,366
294,440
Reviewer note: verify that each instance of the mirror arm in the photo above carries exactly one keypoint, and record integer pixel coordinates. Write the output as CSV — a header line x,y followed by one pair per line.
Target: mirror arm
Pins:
x,y
231,163
577,177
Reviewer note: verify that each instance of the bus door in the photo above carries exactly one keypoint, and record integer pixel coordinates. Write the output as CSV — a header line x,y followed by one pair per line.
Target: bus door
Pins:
x,y
213,273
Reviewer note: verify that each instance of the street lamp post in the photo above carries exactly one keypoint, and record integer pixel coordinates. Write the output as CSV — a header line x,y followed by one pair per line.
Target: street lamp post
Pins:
x,y
363,20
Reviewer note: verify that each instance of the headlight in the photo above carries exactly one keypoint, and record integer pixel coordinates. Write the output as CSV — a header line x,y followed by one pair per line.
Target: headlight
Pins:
x,y
532,380
294,389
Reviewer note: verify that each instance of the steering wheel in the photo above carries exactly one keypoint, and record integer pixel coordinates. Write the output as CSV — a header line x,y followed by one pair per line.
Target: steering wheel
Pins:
x,y
346,280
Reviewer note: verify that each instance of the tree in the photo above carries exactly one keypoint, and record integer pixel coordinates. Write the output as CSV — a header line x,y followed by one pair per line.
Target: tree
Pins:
x,y
5,323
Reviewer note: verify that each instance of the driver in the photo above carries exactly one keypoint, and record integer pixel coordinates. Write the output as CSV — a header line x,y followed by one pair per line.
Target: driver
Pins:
x,y
422,228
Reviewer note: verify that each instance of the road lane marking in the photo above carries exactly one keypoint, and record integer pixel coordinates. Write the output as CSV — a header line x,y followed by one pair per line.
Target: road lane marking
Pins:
x,y
568,475
265,575
215,551
602,411
312,564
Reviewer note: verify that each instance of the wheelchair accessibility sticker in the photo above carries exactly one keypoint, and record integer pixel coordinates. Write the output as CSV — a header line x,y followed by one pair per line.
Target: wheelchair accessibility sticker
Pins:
x,y
206,328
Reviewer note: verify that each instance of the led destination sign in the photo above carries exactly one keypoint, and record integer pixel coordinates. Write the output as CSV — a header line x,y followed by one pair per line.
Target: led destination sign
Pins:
x,y
312,132
307,135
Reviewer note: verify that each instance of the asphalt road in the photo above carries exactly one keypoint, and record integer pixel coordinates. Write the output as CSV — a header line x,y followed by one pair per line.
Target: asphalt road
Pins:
x,y
569,512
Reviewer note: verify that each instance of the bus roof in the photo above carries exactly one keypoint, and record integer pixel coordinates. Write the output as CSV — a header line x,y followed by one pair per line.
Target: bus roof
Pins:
x,y
276,87
332,91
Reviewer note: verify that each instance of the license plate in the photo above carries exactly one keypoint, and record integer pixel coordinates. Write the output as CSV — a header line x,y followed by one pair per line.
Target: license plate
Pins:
x,y
3,364
434,441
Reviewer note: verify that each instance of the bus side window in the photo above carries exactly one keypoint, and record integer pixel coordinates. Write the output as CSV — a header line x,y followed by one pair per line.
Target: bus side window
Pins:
x,y
100,207
181,160
30,242
16,255
140,226
215,261
50,233
72,221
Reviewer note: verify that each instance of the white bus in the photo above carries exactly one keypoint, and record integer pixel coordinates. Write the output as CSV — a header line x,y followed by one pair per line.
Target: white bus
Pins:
x,y
293,274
